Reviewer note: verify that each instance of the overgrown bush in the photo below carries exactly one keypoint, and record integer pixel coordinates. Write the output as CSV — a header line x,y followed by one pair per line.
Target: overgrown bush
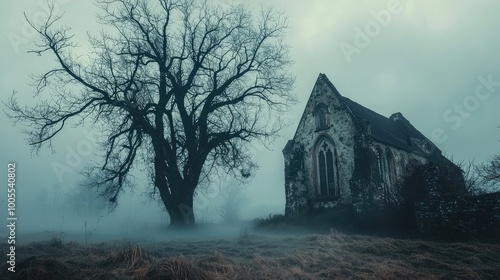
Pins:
x,y
340,217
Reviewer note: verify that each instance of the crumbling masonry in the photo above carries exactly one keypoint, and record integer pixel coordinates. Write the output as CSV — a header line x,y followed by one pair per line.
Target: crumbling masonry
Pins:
x,y
344,153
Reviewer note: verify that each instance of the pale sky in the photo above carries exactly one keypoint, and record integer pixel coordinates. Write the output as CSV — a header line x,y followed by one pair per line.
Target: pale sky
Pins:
x,y
434,61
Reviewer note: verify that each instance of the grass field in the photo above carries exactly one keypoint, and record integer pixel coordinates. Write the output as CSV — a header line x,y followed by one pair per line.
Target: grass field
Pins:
x,y
310,256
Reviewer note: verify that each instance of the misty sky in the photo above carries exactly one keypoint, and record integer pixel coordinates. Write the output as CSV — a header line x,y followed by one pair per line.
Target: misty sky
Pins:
x,y
437,62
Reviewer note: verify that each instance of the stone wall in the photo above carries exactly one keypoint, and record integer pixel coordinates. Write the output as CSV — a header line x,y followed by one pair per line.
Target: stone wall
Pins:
x,y
459,216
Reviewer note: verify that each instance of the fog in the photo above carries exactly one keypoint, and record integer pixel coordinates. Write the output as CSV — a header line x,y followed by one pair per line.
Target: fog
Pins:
x,y
425,61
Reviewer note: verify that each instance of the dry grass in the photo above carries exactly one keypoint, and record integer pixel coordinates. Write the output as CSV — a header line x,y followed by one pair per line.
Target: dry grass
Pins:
x,y
330,256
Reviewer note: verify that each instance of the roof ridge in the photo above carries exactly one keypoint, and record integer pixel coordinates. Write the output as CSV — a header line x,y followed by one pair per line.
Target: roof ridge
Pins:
x,y
368,108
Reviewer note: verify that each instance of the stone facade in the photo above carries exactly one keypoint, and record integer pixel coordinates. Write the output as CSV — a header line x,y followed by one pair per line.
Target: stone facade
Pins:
x,y
344,153
459,216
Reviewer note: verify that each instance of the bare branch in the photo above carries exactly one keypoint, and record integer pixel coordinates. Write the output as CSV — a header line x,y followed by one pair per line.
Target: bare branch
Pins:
x,y
180,87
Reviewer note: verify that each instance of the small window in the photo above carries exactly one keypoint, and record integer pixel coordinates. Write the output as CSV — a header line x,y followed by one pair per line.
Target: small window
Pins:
x,y
321,113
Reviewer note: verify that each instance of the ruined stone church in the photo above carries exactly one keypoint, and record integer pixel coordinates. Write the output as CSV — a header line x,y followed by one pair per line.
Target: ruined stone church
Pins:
x,y
345,153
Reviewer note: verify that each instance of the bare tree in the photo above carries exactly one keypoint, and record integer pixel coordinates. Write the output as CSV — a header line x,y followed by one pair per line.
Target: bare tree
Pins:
x,y
472,176
481,178
84,202
182,87
229,208
490,173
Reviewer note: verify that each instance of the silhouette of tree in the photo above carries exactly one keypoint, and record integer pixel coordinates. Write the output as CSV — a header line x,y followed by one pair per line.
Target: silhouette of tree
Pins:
x,y
84,202
182,87
472,176
232,199
490,173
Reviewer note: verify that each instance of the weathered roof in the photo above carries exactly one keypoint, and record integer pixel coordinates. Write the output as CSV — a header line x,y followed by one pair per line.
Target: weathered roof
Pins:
x,y
382,128
395,131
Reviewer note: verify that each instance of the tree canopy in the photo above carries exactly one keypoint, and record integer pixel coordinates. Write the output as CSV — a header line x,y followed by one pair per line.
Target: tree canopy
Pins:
x,y
180,86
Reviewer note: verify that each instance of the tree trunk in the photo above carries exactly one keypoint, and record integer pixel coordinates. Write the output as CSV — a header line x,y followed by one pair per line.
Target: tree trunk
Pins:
x,y
180,209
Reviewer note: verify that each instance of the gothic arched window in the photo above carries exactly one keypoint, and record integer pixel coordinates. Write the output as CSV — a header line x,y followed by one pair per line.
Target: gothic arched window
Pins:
x,y
380,162
321,113
327,177
391,166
